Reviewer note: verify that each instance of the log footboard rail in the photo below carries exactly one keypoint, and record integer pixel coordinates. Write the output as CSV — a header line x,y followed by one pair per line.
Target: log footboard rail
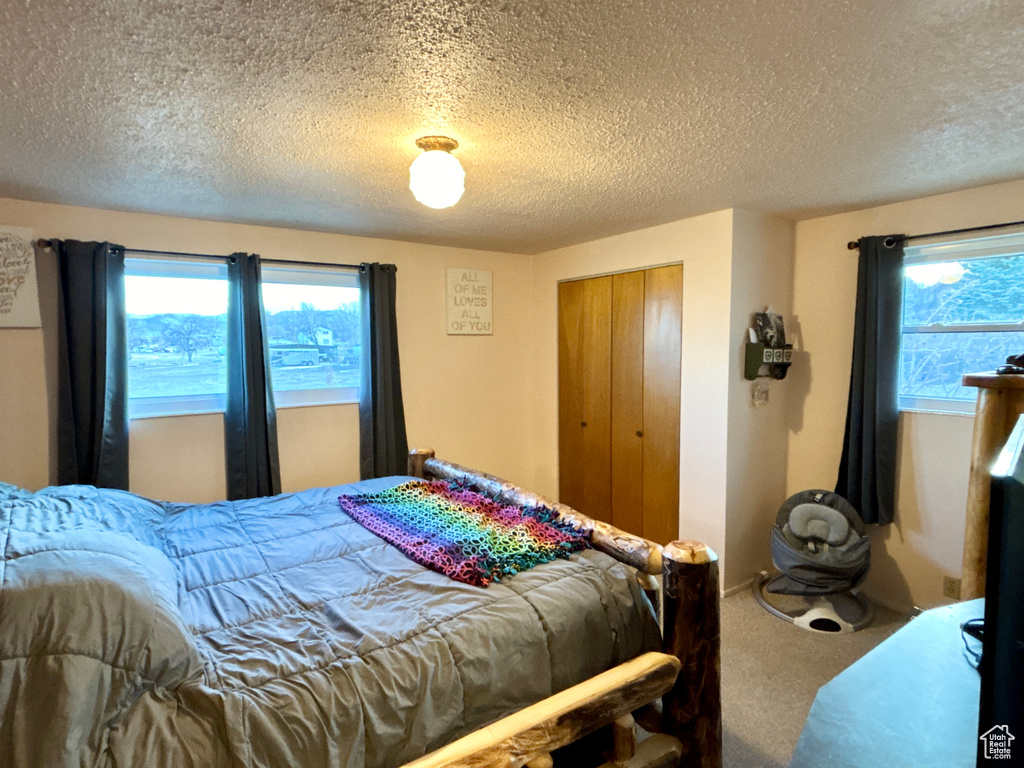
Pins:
x,y
528,736
685,680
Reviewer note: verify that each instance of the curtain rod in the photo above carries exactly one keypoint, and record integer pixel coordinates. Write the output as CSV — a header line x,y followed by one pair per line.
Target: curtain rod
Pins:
x,y
891,241
41,243
320,264
215,256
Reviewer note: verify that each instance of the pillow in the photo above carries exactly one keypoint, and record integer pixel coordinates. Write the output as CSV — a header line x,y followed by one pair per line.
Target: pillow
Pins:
x,y
820,522
102,595
9,491
89,627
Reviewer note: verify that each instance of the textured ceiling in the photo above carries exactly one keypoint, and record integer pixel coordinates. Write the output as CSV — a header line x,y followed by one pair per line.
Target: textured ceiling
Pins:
x,y
576,118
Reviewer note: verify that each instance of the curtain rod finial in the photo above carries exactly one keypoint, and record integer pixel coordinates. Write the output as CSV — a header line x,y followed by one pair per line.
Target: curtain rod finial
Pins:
x,y
853,245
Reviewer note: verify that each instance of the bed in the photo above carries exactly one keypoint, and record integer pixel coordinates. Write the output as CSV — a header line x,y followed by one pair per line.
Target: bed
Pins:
x,y
278,632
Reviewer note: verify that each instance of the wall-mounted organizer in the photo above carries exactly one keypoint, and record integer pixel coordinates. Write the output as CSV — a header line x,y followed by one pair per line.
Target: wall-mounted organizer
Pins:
x,y
766,346
758,354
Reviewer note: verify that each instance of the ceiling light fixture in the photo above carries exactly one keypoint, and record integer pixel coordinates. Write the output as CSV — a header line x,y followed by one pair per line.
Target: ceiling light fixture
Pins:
x,y
436,177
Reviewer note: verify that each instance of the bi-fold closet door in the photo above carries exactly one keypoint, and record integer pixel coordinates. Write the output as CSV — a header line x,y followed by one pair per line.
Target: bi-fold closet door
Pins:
x,y
619,348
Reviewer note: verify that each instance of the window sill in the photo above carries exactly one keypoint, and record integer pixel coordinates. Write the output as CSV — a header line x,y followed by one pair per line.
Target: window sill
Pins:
x,y
146,416
290,406
296,398
938,412
175,405
202,405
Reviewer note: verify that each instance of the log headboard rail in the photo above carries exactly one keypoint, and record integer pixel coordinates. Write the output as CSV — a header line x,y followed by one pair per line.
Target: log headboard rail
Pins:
x,y
626,547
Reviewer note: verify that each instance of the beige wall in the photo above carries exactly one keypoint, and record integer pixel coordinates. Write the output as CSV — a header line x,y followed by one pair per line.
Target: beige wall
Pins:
x,y
467,397
704,245
762,275
925,542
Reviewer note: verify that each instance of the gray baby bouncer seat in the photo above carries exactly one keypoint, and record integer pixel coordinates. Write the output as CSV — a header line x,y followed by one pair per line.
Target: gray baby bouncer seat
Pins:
x,y
820,549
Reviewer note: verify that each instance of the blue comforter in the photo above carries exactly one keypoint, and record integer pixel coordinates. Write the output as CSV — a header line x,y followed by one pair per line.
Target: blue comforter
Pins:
x,y
272,632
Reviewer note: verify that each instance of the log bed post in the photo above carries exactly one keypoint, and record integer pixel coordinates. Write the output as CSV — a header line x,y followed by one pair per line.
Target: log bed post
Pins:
x,y
692,710
417,457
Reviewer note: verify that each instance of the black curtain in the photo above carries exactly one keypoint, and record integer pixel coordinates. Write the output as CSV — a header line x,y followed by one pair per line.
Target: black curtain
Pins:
x,y
383,447
250,420
867,470
92,391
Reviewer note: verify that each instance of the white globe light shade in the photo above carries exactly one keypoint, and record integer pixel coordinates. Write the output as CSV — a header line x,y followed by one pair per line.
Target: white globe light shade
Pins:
x,y
436,179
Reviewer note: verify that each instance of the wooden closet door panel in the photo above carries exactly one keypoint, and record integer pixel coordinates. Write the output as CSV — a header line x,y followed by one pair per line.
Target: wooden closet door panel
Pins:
x,y
570,393
663,303
627,416
595,355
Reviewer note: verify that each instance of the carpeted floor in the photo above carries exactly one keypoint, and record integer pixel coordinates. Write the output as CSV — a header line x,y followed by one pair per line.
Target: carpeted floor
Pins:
x,y
771,671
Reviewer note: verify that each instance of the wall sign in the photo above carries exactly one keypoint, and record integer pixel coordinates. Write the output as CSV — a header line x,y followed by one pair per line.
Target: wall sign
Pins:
x,y
468,302
19,297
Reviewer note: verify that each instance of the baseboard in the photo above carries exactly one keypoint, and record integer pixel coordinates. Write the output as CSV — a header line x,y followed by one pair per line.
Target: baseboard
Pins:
x,y
738,588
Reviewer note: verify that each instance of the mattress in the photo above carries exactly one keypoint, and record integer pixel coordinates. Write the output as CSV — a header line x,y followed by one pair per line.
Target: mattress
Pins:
x,y
273,632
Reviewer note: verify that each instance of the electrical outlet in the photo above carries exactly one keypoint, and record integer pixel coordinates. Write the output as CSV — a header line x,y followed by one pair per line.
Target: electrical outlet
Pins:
x,y
951,587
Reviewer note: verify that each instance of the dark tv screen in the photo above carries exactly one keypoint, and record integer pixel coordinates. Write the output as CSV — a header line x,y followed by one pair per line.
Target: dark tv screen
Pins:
x,y
1002,661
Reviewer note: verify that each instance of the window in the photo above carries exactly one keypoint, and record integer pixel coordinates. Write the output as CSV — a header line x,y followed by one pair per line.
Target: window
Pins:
x,y
963,312
177,335
177,328
313,332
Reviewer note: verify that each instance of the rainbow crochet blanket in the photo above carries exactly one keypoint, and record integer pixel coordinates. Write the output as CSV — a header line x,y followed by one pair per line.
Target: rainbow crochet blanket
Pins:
x,y
460,533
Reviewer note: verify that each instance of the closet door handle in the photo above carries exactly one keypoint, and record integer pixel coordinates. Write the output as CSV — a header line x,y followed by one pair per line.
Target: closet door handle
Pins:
x,y
639,433
583,423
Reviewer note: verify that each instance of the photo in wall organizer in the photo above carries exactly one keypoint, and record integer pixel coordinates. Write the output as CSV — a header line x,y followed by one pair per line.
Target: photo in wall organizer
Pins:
x,y
771,331
19,297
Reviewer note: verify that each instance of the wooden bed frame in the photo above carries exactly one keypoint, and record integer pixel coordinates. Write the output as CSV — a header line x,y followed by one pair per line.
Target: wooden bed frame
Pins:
x,y
674,694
